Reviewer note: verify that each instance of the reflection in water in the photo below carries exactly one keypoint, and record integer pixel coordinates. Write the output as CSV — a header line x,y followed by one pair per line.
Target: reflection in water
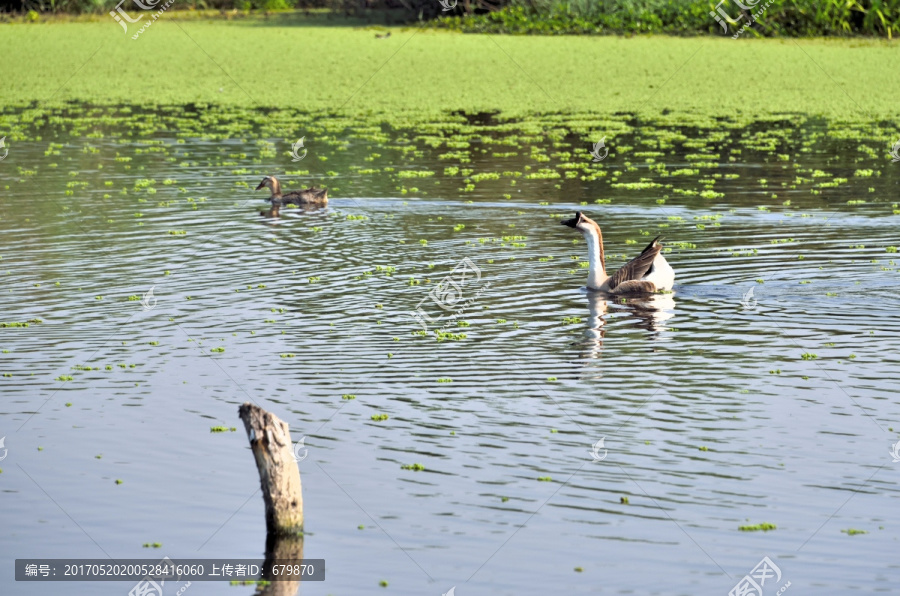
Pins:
x,y
649,312
593,335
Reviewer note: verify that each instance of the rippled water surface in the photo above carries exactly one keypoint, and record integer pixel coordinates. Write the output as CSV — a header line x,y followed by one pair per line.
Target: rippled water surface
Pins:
x,y
718,409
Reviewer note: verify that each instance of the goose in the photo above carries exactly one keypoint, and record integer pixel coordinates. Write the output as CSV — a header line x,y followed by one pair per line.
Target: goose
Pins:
x,y
645,274
308,196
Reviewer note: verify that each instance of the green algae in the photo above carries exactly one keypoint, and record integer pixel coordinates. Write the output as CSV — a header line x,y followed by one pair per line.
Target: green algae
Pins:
x,y
763,527
562,78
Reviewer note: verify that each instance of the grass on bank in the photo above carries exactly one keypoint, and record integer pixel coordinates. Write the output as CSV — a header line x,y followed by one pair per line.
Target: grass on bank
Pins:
x,y
788,18
345,70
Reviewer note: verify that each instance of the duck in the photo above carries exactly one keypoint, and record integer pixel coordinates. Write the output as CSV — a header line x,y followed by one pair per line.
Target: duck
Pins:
x,y
647,273
308,196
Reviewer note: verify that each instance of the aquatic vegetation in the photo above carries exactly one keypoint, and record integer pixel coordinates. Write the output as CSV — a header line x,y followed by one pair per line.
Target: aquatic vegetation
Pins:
x,y
636,185
763,527
446,335
545,479
415,174
27,323
348,396
853,532
219,349
222,429
413,467
379,417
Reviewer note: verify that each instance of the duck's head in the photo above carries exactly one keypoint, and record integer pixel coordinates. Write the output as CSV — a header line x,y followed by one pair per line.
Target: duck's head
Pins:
x,y
268,182
582,223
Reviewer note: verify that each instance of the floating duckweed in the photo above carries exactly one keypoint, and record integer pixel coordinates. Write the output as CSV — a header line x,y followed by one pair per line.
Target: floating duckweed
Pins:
x,y
379,417
545,479
636,185
853,532
413,467
219,349
414,174
445,380
445,335
763,527
222,429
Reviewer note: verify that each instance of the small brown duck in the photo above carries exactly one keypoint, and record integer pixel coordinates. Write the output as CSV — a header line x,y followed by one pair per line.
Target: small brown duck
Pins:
x,y
308,196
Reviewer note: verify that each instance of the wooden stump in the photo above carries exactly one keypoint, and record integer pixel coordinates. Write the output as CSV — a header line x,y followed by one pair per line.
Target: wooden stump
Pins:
x,y
270,441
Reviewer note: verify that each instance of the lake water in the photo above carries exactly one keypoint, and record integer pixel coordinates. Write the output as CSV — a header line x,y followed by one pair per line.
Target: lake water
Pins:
x,y
718,409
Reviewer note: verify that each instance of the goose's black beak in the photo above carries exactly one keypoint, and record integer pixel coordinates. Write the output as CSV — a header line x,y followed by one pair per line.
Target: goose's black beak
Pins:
x,y
574,221
261,185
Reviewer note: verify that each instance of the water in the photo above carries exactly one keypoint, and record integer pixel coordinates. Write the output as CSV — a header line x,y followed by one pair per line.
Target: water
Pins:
x,y
711,415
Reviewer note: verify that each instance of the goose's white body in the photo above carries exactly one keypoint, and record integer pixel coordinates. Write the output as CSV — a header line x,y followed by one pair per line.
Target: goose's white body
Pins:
x,y
661,274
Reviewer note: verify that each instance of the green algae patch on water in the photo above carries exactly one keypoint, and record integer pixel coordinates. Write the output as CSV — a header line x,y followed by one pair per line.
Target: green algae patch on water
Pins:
x,y
562,75
763,527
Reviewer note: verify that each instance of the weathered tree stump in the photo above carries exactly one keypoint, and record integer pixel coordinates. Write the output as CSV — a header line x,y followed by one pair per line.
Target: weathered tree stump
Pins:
x,y
270,441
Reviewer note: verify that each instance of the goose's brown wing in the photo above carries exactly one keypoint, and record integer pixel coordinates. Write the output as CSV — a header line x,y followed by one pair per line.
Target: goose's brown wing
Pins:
x,y
634,287
637,267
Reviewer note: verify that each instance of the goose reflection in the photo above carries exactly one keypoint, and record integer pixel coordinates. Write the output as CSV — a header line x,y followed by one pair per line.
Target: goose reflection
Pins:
x,y
648,312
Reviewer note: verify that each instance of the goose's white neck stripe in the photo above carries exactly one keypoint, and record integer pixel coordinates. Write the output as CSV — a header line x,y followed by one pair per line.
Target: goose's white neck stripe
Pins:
x,y
597,268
